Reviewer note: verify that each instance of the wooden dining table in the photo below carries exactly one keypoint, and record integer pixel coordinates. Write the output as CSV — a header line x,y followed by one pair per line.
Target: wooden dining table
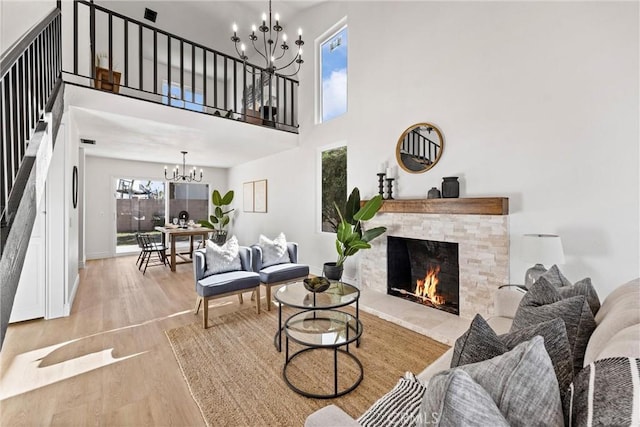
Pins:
x,y
173,233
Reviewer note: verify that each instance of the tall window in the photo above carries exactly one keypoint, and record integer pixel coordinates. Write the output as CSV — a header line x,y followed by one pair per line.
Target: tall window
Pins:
x,y
334,186
197,100
333,72
139,208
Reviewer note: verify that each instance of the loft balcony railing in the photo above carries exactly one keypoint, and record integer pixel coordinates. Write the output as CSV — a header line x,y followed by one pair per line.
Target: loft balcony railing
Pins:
x,y
122,55
30,73
420,148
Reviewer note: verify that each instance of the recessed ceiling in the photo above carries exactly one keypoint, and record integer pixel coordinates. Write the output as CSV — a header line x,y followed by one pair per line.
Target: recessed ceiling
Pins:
x,y
125,128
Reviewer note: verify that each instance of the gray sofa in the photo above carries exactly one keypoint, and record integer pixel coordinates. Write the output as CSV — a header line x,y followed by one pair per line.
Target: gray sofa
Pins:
x,y
617,334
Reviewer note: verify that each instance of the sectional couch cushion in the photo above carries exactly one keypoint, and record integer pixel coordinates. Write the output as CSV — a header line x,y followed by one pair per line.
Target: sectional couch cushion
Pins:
x,y
543,303
521,383
605,393
480,343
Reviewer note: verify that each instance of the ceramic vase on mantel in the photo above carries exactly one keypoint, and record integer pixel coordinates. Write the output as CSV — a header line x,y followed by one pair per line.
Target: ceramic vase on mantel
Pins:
x,y
450,187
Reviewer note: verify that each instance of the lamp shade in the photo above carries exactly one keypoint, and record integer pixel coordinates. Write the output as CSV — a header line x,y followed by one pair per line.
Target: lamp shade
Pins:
x,y
545,249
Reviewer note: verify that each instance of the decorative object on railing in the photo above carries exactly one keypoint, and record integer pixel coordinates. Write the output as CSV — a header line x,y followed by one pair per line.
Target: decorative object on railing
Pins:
x,y
419,147
147,63
192,176
30,72
270,50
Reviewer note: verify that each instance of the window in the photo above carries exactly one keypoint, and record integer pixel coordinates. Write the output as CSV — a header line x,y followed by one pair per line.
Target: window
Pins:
x,y
333,72
196,103
334,186
139,209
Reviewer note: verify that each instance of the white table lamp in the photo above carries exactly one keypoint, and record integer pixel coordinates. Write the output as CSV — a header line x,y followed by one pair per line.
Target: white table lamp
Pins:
x,y
540,249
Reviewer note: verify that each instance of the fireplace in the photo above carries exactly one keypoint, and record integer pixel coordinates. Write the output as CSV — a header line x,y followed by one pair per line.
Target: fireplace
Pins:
x,y
425,272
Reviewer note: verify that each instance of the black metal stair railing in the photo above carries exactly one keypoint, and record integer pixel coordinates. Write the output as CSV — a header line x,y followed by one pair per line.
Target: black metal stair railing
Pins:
x,y
148,63
29,71
419,147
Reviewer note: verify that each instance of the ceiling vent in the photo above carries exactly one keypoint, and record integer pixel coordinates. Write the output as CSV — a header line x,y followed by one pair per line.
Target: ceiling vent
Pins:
x,y
88,141
149,14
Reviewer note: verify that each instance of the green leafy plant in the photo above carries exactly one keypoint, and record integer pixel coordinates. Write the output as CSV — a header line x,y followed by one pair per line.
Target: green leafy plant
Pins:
x,y
351,236
220,218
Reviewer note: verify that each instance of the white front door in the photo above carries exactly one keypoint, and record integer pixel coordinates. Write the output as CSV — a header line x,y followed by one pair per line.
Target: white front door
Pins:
x,y
30,296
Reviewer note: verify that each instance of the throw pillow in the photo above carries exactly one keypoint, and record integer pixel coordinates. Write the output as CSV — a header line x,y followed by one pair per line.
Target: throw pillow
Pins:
x,y
458,400
399,407
582,287
221,259
604,392
543,303
566,289
480,343
274,251
521,383
555,277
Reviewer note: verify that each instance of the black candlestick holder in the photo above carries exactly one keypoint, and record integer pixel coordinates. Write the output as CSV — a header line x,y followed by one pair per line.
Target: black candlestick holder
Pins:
x,y
389,188
381,183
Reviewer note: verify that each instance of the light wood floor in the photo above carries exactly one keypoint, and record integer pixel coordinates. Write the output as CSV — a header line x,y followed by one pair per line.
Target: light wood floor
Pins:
x,y
109,363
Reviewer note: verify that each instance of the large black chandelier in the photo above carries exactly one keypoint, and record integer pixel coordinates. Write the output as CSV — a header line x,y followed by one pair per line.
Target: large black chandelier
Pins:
x,y
176,176
269,48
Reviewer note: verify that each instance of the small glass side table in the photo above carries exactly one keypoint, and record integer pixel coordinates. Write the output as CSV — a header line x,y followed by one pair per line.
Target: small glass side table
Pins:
x,y
295,295
323,329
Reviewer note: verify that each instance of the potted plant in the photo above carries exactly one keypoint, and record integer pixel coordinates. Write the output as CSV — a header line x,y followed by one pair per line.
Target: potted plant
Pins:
x,y
220,218
351,236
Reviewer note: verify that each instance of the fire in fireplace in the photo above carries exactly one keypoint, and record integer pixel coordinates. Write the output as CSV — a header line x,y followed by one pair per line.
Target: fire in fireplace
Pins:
x,y
424,271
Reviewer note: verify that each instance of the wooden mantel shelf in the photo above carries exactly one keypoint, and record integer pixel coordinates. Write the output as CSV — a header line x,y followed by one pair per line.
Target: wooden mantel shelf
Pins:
x,y
463,206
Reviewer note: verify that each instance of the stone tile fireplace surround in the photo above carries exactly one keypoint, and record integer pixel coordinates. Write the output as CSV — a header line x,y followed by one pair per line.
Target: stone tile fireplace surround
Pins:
x,y
483,241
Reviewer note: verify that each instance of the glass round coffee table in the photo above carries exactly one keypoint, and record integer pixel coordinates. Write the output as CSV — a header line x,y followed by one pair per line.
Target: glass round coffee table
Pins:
x,y
322,329
295,295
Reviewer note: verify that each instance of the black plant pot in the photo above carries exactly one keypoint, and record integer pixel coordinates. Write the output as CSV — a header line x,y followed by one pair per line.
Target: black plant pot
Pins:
x,y
332,271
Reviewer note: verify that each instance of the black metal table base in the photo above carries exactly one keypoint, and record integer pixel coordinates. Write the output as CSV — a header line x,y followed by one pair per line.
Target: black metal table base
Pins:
x,y
336,393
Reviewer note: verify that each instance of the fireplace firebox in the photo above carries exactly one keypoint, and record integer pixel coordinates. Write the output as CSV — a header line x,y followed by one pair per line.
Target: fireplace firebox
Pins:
x,y
425,272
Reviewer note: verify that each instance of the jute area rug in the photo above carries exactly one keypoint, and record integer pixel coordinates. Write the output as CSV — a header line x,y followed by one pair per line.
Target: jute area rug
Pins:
x,y
235,373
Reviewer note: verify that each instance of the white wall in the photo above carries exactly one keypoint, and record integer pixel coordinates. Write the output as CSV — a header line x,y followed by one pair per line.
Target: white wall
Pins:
x,y
537,101
100,201
18,16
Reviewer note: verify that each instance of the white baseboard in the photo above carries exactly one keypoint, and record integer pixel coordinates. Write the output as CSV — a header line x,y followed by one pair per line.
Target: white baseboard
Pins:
x,y
99,255
69,304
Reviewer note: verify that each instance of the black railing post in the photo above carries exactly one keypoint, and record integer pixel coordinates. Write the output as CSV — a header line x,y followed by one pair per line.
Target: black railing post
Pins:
x,y
140,59
193,73
204,76
92,38
126,52
215,80
155,62
75,36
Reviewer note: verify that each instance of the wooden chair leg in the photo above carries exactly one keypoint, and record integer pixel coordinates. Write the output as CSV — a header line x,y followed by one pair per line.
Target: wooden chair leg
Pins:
x,y
198,304
240,298
253,295
258,299
205,313
268,297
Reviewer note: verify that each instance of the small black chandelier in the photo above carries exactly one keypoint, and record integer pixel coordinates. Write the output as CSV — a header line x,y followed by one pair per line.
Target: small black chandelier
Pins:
x,y
269,51
176,176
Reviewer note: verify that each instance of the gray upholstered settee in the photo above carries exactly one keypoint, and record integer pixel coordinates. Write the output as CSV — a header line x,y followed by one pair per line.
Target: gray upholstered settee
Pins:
x,y
617,334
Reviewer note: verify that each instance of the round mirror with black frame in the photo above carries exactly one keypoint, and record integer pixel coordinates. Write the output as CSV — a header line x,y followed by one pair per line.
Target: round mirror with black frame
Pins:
x,y
419,147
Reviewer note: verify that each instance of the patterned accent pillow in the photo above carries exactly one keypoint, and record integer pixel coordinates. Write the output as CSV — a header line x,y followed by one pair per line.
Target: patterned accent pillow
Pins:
x,y
543,303
274,251
399,407
603,394
480,343
221,259
582,287
566,289
521,383
555,277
